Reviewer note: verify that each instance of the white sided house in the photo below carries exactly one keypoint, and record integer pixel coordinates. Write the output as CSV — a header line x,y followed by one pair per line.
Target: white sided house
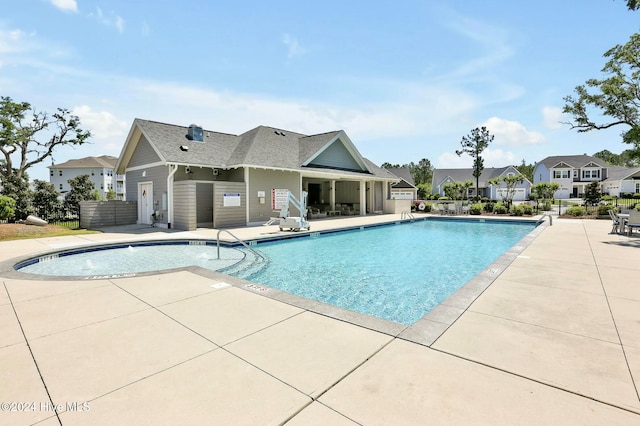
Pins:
x,y
622,181
99,169
188,177
443,176
405,189
572,172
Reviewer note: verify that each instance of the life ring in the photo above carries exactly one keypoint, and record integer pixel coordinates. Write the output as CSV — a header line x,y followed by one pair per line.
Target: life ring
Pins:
x,y
422,206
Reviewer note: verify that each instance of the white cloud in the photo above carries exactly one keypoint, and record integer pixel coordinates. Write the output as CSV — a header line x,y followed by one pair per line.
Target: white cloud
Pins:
x,y
294,48
102,124
112,20
66,5
553,117
491,157
512,133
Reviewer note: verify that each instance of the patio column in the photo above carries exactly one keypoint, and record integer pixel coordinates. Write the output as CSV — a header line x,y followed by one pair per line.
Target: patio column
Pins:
x,y
332,194
363,198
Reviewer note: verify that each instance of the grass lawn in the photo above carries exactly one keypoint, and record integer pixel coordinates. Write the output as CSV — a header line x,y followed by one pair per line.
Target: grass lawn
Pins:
x,y
18,231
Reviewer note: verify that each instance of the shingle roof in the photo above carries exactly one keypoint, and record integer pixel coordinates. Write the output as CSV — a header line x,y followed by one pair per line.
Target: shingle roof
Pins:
x,y
104,161
575,161
620,173
461,175
262,146
402,172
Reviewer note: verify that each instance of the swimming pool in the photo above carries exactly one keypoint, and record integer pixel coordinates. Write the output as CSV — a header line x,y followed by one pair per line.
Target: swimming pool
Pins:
x,y
394,272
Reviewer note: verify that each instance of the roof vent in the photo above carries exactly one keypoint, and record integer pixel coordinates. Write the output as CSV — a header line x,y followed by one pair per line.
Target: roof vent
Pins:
x,y
195,133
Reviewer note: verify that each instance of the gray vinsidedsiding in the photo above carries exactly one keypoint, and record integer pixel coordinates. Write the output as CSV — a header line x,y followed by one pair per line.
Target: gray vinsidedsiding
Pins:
x,y
336,156
157,175
184,205
227,216
266,180
144,154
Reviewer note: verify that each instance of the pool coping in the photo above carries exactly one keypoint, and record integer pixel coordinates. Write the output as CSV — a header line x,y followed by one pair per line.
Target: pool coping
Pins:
x,y
425,331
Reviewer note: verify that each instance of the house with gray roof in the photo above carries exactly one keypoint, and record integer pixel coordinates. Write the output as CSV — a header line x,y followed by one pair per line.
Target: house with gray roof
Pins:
x,y
188,177
443,176
621,181
572,172
405,189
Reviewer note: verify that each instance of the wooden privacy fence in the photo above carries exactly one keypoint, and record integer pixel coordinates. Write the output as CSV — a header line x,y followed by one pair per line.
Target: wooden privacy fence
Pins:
x,y
97,214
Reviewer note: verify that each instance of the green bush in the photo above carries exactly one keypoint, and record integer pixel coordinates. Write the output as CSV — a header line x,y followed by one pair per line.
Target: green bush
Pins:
x,y
444,198
475,209
527,209
576,211
517,210
546,206
7,207
488,207
636,196
604,210
500,208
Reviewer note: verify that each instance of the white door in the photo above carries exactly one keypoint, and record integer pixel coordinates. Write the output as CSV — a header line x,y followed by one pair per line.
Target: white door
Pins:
x,y
145,202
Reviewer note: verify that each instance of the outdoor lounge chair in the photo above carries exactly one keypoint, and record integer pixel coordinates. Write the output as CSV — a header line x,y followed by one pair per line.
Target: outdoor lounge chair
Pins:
x,y
615,223
633,221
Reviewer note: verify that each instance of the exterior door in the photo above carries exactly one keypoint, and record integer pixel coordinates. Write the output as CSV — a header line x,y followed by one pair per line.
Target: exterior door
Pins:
x,y
145,203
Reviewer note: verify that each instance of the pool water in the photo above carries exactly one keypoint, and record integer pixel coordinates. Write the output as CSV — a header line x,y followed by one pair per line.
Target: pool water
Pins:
x,y
395,272
398,273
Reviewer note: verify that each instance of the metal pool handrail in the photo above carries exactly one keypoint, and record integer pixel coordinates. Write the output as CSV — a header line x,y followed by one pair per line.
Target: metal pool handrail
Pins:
x,y
258,254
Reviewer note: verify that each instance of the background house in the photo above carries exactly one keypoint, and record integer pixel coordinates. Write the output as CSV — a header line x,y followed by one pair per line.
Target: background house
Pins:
x,y
621,181
99,169
443,176
189,177
405,189
572,172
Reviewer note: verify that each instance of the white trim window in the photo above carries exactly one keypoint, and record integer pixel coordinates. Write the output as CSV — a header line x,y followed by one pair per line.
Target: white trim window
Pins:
x,y
591,174
561,174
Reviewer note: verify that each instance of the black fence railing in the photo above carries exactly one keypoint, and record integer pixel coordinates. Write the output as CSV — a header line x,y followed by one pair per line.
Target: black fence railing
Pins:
x,y
61,216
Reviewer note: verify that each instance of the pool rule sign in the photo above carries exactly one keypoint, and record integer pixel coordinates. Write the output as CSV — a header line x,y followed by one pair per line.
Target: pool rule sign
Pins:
x,y
278,198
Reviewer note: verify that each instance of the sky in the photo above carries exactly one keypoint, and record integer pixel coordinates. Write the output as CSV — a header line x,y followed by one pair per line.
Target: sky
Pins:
x,y
406,80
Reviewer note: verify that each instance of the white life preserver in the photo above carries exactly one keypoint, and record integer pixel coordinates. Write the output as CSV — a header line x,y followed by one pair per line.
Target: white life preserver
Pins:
x,y
422,206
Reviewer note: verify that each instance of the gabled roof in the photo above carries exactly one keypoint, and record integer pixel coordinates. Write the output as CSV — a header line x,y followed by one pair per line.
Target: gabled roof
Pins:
x,y
461,175
621,173
575,161
104,161
262,146
404,174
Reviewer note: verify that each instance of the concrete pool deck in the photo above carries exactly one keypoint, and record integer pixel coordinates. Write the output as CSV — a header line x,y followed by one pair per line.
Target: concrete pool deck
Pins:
x,y
555,339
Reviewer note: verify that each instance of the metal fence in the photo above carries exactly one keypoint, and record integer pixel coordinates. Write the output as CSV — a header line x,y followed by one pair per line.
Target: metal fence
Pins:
x,y
61,216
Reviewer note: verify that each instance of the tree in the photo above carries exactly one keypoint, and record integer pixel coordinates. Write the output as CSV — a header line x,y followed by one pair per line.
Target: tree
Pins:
x,y
19,126
624,159
111,194
633,4
18,188
45,200
82,189
421,172
510,183
387,165
526,170
544,190
592,194
473,144
7,207
617,96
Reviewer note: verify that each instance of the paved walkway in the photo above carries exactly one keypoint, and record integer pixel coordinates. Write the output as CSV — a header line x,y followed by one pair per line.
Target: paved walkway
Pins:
x,y
555,339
